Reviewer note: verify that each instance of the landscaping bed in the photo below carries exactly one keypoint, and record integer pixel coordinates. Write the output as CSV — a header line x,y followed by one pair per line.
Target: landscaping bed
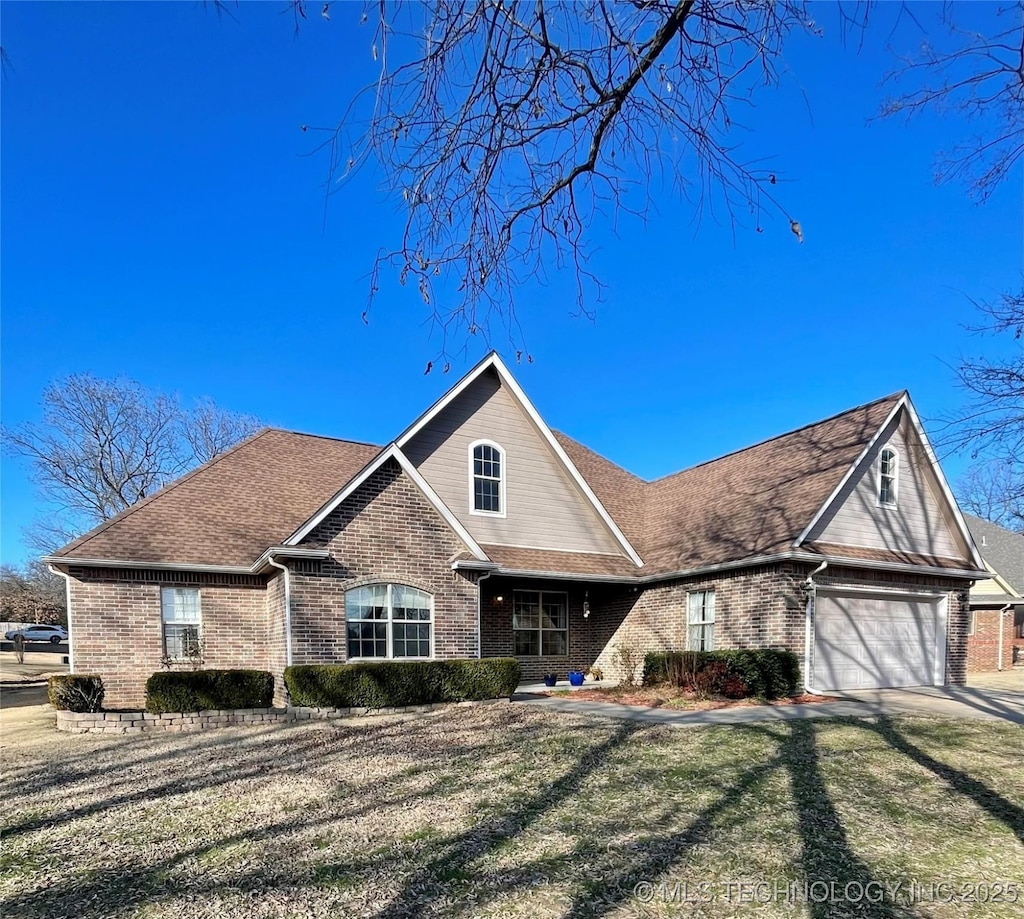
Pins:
x,y
669,697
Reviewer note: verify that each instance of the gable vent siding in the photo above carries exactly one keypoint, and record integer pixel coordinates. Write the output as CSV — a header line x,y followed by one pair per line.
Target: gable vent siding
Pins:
x,y
543,506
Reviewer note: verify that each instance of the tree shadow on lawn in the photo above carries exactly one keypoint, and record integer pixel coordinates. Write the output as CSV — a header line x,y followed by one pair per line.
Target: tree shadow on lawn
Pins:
x,y
1003,810
284,748
825,850
438,872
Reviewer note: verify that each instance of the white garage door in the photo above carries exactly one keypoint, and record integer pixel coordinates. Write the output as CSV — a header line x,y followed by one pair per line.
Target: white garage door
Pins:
x,y
867,641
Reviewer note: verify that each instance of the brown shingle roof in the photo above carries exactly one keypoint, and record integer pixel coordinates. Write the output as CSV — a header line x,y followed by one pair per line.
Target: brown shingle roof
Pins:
x,y
513,558
230,510
621,492
758,500
750,503
888,555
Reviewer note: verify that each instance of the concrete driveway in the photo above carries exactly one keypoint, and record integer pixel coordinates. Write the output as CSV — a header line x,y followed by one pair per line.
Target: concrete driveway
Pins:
x,y
950,701
996,697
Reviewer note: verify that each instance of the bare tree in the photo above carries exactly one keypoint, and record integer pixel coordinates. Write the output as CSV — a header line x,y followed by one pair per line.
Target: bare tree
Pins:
x,y
507,127
978,77
993,490
32,594
103,445
990,425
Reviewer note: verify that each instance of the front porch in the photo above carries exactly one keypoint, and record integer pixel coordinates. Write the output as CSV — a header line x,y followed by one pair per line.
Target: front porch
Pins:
x,y
554,626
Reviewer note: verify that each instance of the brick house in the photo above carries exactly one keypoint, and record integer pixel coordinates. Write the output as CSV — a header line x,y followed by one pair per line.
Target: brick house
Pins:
x,y
481,532
997,601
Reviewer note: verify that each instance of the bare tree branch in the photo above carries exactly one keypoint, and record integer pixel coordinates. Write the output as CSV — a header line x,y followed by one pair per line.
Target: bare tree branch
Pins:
x,y
980,78
507,127
104,445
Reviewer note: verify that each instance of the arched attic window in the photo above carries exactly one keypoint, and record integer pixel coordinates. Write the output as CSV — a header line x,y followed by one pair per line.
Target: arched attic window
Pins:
x,y
487,478
888,476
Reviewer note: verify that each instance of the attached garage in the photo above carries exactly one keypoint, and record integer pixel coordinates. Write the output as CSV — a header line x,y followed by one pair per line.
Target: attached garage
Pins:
x,y
867,640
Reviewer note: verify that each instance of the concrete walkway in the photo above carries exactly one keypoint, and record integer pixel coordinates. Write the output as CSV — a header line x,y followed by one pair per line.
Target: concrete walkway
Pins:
x,y
948,701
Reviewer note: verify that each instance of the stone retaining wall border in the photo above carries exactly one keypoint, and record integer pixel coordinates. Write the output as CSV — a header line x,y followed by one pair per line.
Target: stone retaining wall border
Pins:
x,y
172,722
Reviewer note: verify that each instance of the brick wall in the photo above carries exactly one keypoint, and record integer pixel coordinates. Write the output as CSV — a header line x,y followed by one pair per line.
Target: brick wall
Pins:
x,y
983,645
385,532
117,630
754,608
496,625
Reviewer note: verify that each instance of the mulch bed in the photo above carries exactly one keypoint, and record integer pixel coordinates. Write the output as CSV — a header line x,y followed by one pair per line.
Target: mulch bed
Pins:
x,y
655,698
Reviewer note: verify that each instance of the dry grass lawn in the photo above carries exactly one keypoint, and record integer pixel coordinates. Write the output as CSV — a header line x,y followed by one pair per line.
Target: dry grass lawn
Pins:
x,y
510,811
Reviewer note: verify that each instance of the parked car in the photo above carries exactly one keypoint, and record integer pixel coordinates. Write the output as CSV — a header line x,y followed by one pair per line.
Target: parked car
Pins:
x,y
52,633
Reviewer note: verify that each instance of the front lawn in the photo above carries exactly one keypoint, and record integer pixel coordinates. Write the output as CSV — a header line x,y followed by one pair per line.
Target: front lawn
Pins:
x,y
511,811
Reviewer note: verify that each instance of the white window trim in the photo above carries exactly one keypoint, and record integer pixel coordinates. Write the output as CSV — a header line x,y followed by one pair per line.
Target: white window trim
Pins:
x,y
164,623
540,630
389,622
895,478
705,621
503,512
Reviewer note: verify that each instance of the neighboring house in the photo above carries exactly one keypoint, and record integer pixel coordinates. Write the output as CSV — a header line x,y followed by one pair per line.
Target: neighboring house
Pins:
x,y
997,602
480,532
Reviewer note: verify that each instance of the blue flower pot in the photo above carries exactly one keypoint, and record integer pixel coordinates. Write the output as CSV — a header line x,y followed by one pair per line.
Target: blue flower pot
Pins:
x,y
575,677
550,679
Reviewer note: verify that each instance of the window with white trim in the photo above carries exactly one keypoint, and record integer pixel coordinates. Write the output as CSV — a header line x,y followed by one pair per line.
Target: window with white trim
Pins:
x,y
487,464
540,623
888,476
182,622
700,620
388,621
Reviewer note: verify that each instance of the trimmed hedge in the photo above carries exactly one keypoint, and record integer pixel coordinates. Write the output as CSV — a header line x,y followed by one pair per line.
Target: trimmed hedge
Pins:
x,y
396,684
75,692
768,673
203,690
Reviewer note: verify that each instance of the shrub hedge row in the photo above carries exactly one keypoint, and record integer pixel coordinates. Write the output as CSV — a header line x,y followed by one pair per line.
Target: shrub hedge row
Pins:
x,y
767,673
75,692
395,684
202,690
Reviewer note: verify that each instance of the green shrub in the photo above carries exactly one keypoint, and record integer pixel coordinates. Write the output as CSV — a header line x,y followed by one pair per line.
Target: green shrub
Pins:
x,y
396,684
767,673
202,690
75,692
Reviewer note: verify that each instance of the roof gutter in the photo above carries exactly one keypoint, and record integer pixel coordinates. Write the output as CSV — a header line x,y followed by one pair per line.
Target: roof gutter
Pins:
x,y
257,567
751,562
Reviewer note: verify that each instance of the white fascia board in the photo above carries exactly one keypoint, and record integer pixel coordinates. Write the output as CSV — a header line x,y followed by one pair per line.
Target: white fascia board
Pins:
x,y
441,404
507,380
395,453
849,472
70,560
287,552
947,493
810,558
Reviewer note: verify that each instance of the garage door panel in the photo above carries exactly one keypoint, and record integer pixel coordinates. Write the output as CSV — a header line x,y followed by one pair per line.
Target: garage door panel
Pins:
x,y
865,641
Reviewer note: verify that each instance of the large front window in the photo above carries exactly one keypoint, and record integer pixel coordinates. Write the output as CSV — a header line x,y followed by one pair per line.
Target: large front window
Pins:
x,y
182,622
700,619
540,623
388,621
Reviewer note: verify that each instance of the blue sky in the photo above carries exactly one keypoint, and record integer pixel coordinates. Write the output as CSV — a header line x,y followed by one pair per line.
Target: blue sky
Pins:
x,y
162,220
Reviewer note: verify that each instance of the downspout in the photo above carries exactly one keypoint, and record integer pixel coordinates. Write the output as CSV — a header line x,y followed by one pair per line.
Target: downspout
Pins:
x,y
67,604
479,602
810,588
1002,612
287,611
